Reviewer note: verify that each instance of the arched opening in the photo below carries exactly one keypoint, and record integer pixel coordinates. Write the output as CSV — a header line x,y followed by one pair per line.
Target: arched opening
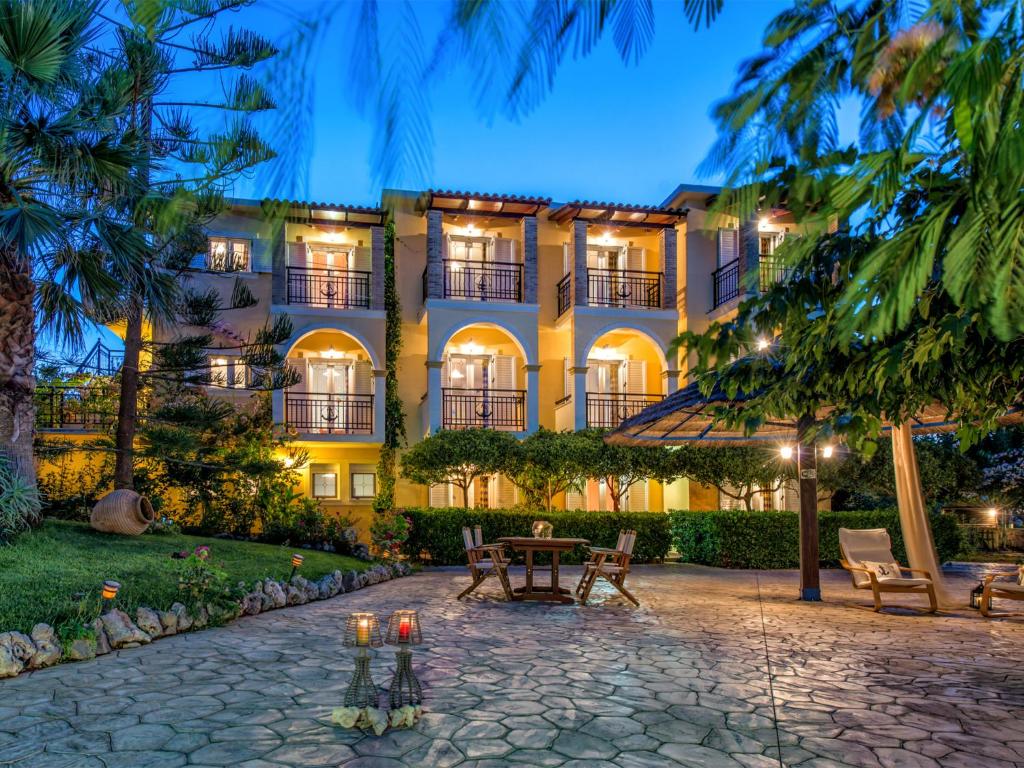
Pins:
x,y
335,391
482,380
625,374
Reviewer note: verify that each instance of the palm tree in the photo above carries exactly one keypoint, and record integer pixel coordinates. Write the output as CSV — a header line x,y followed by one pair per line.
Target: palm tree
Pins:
x,y
61,163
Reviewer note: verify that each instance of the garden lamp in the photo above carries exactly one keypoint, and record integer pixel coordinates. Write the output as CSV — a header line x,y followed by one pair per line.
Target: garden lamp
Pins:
x,y
296,564
362,632
403,632
109,593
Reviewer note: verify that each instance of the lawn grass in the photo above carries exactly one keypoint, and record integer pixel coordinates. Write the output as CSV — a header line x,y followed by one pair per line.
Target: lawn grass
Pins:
x,y
44,574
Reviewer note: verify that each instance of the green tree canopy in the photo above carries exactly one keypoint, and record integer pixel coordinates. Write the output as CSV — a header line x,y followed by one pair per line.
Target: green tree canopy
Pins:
x,y
549,463
739,472
620,466
459,456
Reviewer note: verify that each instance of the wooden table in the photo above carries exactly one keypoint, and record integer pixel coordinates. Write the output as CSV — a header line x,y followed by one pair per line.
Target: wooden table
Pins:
x,y
528,544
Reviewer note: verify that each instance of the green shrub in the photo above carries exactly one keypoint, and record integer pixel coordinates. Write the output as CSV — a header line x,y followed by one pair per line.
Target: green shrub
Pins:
x,y
438,532
740,539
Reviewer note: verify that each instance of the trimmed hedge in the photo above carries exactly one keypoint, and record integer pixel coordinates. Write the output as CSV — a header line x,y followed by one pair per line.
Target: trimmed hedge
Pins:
x,y
740,539
438,532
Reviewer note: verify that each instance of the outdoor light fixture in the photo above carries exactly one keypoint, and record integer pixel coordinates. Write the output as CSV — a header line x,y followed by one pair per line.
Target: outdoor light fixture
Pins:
x,y
403,632
763,344
296,564
606,237
827,451
362,632
470,229
108,593
976,596
786,452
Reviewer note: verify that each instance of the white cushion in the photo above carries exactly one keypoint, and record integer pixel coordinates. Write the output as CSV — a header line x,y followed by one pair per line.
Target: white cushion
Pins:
x,y
883,570
904,582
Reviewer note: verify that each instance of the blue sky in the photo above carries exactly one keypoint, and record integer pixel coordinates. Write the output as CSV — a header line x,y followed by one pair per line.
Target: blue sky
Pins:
x,y
607,130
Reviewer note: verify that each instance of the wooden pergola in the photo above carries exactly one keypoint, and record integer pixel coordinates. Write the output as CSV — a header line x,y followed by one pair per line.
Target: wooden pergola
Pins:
x,y
485,204
688,416
618,214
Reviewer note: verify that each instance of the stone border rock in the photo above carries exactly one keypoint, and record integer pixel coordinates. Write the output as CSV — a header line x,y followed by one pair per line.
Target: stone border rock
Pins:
x,y
115,629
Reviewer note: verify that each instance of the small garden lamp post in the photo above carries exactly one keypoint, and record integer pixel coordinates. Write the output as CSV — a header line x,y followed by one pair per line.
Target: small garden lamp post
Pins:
x,y
296,564
403,632
109,593
362,632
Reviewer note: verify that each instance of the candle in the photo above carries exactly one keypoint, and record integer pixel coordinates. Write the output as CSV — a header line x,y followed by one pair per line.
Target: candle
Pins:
x,y
363,632
403,629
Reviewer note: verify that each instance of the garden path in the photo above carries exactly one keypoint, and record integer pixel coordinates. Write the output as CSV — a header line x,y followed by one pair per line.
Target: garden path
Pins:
x,y
682,681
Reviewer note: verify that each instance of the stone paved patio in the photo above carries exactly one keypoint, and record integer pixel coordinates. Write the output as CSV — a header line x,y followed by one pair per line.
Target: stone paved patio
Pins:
x,y
682,681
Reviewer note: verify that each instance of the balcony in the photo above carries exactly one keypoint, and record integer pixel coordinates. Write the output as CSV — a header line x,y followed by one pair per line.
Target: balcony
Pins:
x,y
483,281
771,272
626,288
87,407
325,287
726,282
503,409
326,414
608,410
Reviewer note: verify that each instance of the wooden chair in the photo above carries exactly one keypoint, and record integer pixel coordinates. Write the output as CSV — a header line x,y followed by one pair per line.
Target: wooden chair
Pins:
x,y
485,560
1003,590
612,565
873,546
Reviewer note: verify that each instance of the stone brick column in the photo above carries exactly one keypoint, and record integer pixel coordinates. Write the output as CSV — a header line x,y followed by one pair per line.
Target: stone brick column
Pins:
x,y
278,264
435,265
750,259
578,253
669,259
376,267
528,235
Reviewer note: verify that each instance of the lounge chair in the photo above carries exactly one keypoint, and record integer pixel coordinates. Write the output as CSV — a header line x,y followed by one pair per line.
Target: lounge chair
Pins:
x,y
1003,590
612,565
485,560
867,555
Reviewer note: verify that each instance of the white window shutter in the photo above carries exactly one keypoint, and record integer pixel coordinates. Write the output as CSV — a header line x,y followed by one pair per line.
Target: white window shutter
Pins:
x,y
593,380
503,250
362,383
728,246
566,378
503,372
440,495
634,373
361,259
637,497
503,494
565,259
635,259
574,500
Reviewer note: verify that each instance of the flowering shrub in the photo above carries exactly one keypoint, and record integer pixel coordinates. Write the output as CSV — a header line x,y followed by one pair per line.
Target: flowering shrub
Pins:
x,y
389,534
202,582
308,524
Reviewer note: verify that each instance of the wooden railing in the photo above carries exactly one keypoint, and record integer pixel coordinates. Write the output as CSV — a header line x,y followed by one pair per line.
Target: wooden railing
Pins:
x,y
608,410
503,409
323,287
329,414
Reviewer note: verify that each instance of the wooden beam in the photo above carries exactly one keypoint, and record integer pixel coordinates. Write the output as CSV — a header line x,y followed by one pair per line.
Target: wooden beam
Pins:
x,y
640,224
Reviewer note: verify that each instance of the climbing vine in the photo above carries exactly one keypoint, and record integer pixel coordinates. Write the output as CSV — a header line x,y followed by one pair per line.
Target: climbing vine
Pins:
x,y
394,417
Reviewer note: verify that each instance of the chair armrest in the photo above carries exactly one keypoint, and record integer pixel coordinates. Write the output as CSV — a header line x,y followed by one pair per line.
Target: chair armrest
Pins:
x,y
993,576
488,547
604,550
925,571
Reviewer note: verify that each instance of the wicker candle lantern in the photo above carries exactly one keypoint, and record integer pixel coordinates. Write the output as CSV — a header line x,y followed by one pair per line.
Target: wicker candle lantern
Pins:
x,y
403,632
362,632
542,529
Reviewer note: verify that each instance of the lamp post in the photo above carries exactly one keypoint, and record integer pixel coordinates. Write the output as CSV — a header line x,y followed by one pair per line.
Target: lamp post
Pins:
x,y
109,593
296,564
403,632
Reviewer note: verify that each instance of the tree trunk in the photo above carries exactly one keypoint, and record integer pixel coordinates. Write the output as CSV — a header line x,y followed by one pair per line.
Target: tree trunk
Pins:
x,y
17,357
127,410
465,496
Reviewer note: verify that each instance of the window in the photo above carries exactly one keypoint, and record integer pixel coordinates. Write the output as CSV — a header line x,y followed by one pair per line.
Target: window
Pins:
x,y
227,372
364,485
325,485
228,255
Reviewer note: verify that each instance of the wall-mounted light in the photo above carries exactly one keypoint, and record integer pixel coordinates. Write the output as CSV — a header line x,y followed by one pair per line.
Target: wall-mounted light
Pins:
x,y
763,344
827,451
786,452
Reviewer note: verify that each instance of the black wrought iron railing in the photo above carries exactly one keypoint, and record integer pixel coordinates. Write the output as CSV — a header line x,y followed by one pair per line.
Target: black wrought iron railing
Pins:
x,y
329,414
483,281
726,282
623,288
607,410
489,408
772,271
324,287
76,407
101,360
564,294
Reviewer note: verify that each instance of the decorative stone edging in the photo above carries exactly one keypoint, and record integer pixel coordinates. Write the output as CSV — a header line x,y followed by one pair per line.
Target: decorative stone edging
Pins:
x,y
115,630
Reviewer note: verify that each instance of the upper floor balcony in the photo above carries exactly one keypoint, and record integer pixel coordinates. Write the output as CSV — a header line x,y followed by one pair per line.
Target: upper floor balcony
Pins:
x,y
90,406
727,280
618,256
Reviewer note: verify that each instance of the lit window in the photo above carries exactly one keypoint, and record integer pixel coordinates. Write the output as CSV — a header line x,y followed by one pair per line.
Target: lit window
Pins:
x,y
325,485
227,372
364,485
228,255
